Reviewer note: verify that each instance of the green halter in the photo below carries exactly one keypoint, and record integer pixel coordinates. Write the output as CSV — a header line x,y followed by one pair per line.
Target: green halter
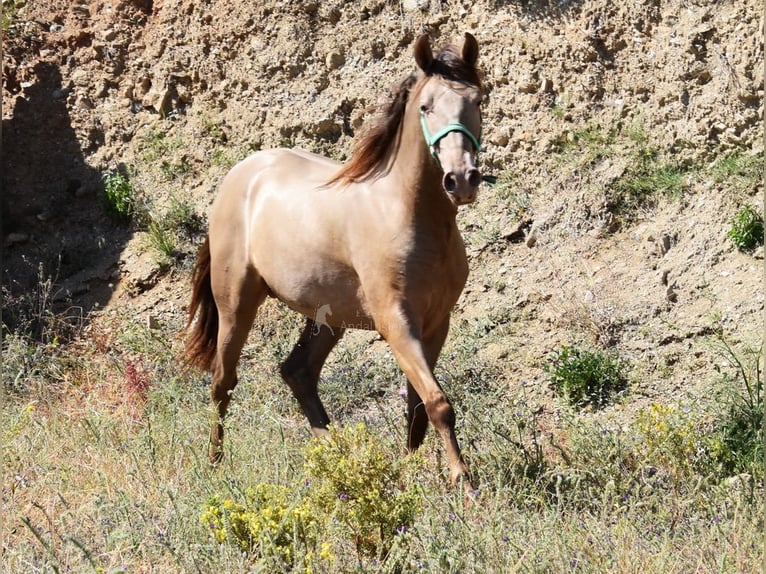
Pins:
x,y
432,140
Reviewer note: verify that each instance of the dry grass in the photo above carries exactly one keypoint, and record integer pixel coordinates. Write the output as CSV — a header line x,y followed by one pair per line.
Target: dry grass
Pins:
x,y
105,469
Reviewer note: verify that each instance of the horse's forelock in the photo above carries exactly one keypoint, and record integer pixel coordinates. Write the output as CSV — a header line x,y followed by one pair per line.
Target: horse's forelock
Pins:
x,y
449,64
380,141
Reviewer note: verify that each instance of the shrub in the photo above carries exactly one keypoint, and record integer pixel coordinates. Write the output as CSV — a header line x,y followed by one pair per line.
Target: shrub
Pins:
x,y
352,489
746,230
362,487
120,195
268,524
670,440
586,377
737,444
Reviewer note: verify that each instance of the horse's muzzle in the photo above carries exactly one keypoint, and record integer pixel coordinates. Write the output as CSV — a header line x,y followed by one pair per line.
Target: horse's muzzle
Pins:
x,y
462,187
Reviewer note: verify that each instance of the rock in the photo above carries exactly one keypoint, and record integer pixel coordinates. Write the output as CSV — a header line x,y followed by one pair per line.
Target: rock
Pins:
x,y
670,294
413,5
335,60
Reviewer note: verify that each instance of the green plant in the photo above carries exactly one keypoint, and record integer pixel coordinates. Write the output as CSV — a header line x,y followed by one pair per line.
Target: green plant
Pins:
x,y
737,444
174,170
746,230
10,12
182,218
592,142
166,232
353,480
352,489
269,524
163,241
670,439
120,195
156,145
214,130
516,201
646,179
586,377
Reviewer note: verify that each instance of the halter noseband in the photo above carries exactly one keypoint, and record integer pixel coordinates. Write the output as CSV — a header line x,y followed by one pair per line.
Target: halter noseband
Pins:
x,y
432,140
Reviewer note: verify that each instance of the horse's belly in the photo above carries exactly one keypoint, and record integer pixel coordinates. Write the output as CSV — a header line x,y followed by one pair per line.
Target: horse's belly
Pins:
x,y
327,293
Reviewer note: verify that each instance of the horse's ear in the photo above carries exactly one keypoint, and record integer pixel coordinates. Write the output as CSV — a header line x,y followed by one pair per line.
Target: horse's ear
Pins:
x,y
423,54
470,50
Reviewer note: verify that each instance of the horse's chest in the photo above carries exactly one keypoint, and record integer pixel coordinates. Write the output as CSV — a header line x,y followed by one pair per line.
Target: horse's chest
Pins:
x,y
442,266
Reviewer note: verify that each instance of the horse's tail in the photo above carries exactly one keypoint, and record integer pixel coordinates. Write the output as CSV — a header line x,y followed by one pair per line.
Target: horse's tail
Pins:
x,y
202,335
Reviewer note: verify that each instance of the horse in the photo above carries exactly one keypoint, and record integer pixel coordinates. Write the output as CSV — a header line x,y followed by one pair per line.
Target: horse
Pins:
x,y
373,243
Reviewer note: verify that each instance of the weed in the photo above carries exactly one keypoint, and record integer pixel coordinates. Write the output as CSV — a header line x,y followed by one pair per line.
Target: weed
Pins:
x,y
737,445
362,487
174,170
10,10
647,179
223,157
592,141
214,130
739,170
516,201
352,488
269,524
166,233
156,145
121,197
746,230
670,440
586,377
163,241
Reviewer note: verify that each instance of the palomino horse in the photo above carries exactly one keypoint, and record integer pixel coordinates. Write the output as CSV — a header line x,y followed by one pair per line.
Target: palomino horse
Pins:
x,y
372,244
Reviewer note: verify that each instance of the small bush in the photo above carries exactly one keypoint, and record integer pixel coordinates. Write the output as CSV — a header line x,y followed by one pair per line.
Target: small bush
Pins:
x,y
746,230
362,487
352,489
121,200
586,377
671,441
268,524
737,444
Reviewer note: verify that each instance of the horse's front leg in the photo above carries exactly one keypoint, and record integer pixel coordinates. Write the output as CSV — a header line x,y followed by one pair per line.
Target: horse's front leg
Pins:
x,y
417,419
416,358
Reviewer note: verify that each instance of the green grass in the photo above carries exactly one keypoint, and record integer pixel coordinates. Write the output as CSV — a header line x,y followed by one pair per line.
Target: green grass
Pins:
x,y
157,144
646,181
738,169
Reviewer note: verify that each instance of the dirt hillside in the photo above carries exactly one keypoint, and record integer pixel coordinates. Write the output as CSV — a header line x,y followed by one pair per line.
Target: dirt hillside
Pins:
x,y
578,93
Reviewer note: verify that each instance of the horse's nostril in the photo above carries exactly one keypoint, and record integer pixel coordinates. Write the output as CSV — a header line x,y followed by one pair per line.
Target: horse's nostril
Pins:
x,y
449,182
474,177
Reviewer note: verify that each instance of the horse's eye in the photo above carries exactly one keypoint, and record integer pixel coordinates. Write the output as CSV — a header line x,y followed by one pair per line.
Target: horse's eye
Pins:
x,y
424,109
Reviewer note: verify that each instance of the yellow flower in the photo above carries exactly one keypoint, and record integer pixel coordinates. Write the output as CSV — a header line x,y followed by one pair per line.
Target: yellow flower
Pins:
x,y
325,552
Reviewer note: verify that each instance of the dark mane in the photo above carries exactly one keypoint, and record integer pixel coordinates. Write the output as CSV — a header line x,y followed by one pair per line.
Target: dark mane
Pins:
x,y
375,149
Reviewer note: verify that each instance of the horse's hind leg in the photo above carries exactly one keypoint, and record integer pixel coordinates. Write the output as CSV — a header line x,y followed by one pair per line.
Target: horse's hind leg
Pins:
x,y
301,370
237,301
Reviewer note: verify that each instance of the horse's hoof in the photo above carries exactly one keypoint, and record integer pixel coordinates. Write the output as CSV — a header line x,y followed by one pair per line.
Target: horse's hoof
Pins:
x,y
216,456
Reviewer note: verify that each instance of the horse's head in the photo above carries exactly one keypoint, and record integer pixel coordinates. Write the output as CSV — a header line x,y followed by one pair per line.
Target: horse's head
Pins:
x,y
450,116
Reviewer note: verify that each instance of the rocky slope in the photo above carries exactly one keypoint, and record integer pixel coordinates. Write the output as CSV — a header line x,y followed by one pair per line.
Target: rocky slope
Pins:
x,y
174,91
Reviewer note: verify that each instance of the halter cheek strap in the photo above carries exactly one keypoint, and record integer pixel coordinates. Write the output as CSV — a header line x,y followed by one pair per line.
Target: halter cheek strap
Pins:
x,y
432,140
